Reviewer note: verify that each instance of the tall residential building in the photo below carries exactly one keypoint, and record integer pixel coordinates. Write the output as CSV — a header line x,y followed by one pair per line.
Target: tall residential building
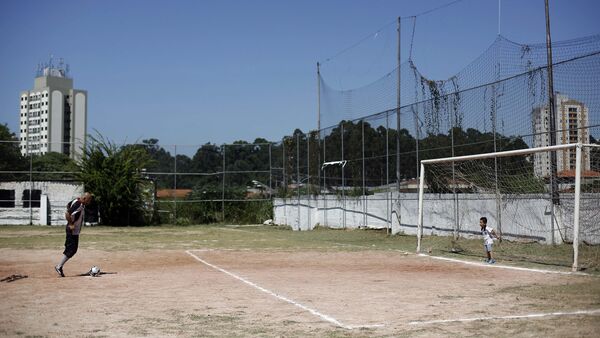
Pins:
x,y
571,127
53,115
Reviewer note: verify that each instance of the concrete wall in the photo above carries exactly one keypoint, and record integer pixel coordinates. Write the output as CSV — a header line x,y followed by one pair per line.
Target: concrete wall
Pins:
x,y
527,218
58,195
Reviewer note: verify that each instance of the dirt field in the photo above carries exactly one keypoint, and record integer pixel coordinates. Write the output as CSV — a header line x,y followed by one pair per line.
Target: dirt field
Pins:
x,y
275,292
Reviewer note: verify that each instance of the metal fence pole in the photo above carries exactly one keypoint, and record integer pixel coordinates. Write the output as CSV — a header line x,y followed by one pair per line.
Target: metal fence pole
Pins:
x,y
343,183
387,172
308,186
298,178
363,174
324,183
30,184
175,185
270,173
223,188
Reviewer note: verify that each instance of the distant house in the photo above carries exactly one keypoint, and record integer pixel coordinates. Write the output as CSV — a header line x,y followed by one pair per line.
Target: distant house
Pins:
x,y
37,202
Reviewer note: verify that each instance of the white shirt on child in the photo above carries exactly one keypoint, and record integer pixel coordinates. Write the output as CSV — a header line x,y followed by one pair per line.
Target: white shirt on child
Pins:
x,y
487,235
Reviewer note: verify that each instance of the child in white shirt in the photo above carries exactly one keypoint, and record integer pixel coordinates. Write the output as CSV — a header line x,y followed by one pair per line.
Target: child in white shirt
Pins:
x,y
488,239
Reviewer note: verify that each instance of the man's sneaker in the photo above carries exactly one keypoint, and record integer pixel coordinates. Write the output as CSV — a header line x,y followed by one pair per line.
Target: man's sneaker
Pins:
x,y
492,261
486,260
59,271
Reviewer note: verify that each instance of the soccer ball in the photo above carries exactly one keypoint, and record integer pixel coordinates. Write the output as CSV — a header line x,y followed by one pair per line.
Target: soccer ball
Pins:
x,y
94,271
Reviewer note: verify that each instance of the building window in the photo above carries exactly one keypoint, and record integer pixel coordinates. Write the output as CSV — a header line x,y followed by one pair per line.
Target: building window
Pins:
x,y
33,197
7,198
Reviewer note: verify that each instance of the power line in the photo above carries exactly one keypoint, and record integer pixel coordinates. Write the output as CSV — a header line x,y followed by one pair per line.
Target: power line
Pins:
x,y
385,26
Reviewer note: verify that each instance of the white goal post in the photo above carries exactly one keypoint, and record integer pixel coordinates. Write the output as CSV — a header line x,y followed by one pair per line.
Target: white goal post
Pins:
x,y
472,171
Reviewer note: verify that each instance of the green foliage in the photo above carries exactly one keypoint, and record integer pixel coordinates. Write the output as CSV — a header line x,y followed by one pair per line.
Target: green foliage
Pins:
x,y
10,155
204,206
112,174
183,221
56,167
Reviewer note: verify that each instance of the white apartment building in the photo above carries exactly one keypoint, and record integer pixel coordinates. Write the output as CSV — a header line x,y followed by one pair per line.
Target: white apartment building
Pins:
x,y
53,115
571,127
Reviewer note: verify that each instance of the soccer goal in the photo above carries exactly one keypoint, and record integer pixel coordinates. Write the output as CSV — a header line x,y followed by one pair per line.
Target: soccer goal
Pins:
x,y
546,194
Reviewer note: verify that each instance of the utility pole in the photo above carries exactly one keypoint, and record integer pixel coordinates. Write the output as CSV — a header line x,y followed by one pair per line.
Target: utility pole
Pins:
x,y
551,111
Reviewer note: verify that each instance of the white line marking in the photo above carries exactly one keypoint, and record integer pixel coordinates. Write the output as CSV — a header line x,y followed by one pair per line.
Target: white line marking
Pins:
x,y
498,266
533,315
283,298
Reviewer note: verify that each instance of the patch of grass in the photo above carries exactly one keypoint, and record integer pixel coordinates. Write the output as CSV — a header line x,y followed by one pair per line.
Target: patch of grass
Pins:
x,y
515,253
259,237
562,295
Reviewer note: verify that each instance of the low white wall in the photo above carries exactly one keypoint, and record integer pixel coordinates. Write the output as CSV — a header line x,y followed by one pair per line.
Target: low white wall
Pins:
x,y
58,193
527,218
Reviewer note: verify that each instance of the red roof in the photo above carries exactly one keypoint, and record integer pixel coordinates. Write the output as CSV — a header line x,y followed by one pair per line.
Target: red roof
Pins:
x,y
177,193
584,173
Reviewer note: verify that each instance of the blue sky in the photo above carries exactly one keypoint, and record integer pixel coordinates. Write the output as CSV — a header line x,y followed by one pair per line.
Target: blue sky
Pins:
x,y
192,72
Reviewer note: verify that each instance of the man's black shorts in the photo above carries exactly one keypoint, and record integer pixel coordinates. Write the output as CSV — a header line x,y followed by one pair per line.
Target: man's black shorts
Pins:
x,y
71,244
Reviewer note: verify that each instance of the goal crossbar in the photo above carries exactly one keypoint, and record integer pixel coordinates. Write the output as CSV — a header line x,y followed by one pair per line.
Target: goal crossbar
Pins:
x,y
506,153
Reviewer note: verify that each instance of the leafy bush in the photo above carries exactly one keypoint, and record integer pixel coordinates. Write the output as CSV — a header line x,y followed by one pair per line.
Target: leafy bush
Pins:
x,y
112,174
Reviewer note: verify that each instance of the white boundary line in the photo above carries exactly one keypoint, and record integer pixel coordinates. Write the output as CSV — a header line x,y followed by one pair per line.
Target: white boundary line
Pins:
x,y
497,266
506,266
280,297
533,315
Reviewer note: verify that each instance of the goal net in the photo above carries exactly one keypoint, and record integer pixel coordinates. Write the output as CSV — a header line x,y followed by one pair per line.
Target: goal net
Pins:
x,y
548,195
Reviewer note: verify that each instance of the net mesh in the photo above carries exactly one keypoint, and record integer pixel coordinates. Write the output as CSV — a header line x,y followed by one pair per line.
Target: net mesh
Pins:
x,y
515,193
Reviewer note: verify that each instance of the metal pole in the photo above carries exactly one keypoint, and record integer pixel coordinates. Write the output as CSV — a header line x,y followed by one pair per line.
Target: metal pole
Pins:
x,y
223,188
324,183
398,102
551,109
284,162
387,171
270,174
363,174
455,196
308,196
284,182
30,159
576,211
494,132
499,12
418,134
319,97
343,182
30,183
298,177
319,126
175,186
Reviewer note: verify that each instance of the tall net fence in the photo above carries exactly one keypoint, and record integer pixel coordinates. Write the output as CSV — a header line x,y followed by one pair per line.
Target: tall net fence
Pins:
x,y
369,153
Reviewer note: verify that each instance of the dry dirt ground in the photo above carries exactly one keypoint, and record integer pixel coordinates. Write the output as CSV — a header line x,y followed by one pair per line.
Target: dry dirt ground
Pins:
x,y
269,293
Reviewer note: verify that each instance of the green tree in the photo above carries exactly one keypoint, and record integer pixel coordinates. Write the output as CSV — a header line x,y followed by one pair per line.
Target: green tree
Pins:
x,y
10,155
54,167
113,175
162,162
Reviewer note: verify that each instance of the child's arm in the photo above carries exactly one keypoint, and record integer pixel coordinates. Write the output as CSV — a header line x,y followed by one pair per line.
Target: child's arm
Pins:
x,y
496,235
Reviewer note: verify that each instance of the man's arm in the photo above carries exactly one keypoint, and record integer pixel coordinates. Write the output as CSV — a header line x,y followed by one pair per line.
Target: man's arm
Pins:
x,y
72,210
68,217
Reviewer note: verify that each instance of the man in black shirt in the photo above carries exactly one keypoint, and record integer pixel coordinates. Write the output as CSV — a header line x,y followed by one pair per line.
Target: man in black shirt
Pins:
x,y
75,215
